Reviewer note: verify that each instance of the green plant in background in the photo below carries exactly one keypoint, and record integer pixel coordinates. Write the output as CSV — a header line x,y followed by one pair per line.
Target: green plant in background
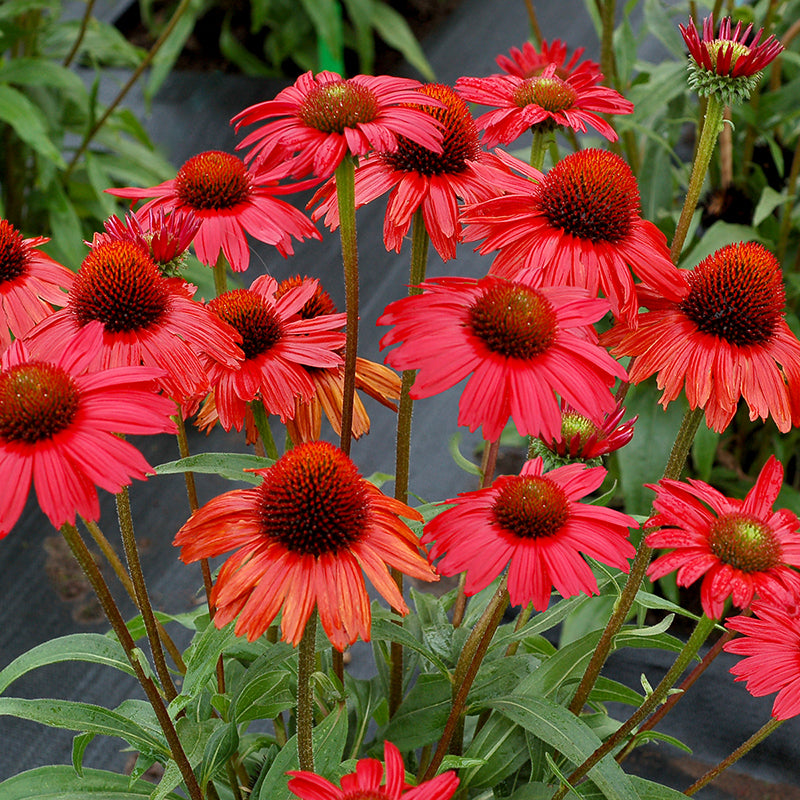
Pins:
x,y
60,147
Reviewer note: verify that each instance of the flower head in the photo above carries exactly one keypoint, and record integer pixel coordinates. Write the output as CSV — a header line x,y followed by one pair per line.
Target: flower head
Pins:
x,y
322,118
580,224
533,523
543,101
166,238
58,423
418,178
29,282
530,62
302,539
771,646
582,438
229,201
278,346
146,319
726,64
368,782
721,336
521,344
739,547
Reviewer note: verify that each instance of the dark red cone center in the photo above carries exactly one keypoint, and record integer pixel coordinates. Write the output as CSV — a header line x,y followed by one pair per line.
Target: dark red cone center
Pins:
x,y
14,253
549,93
530,506
332,107
257,322
744,543
213,180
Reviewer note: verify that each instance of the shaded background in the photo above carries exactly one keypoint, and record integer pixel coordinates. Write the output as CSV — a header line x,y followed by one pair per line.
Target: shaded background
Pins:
x,y
43,595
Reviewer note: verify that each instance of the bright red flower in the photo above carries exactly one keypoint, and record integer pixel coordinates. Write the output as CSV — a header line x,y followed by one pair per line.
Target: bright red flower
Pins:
x,y
58,424
520,342
278,345
727,63
584,439
302,539
771,646
147,319
580,224
229,201
545,100
322,118
367,782
533,523
421,179
29,282
530,62
164,237
721,336
739,547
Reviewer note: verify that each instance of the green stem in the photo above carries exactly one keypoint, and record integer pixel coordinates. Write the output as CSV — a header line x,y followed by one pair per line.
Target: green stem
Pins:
x,y
145,63
675,464
87,15
112,612
346,198
608,64
536,31
715,110
305,696
221,274
419,261
522,620
264,430
467,668
786,213
140,590
689,651
743,749
539,145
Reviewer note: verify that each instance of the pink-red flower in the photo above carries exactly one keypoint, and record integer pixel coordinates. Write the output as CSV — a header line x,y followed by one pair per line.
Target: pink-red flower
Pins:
x,y
302,539
420,179
58,423
278,346
322,118
771,646
146,319
534,524
530,62
726,63
581,225
520,343
230,201
30,281
368,782
741,548
721,336
542,101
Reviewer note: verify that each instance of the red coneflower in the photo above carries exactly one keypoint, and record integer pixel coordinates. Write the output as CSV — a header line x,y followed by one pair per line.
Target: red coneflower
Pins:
x,y
530,62
721,336
544,101
147,319
533,523
521,343
421,179
580,224
278,345
726,64
29,282
58,424
322,118
739,547
771,646
368,782
302,539
229,201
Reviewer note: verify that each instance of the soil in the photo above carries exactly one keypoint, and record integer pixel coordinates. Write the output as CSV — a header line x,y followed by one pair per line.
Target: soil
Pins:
x,y
202,52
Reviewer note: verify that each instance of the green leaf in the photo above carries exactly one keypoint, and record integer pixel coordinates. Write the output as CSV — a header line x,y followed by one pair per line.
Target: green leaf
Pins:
x,y
607,690
560,728
500,745
461,461
226,465
422,714
645,790
767,203
83,717
221,745
41,72
60,782
28,123
326,16
65,226
79,745
564,666
659,23
91,647
264,696
394,30
718,235
385,630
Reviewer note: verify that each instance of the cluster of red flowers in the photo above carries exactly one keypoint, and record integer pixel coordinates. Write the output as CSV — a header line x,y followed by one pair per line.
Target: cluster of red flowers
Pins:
x,y
129,341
